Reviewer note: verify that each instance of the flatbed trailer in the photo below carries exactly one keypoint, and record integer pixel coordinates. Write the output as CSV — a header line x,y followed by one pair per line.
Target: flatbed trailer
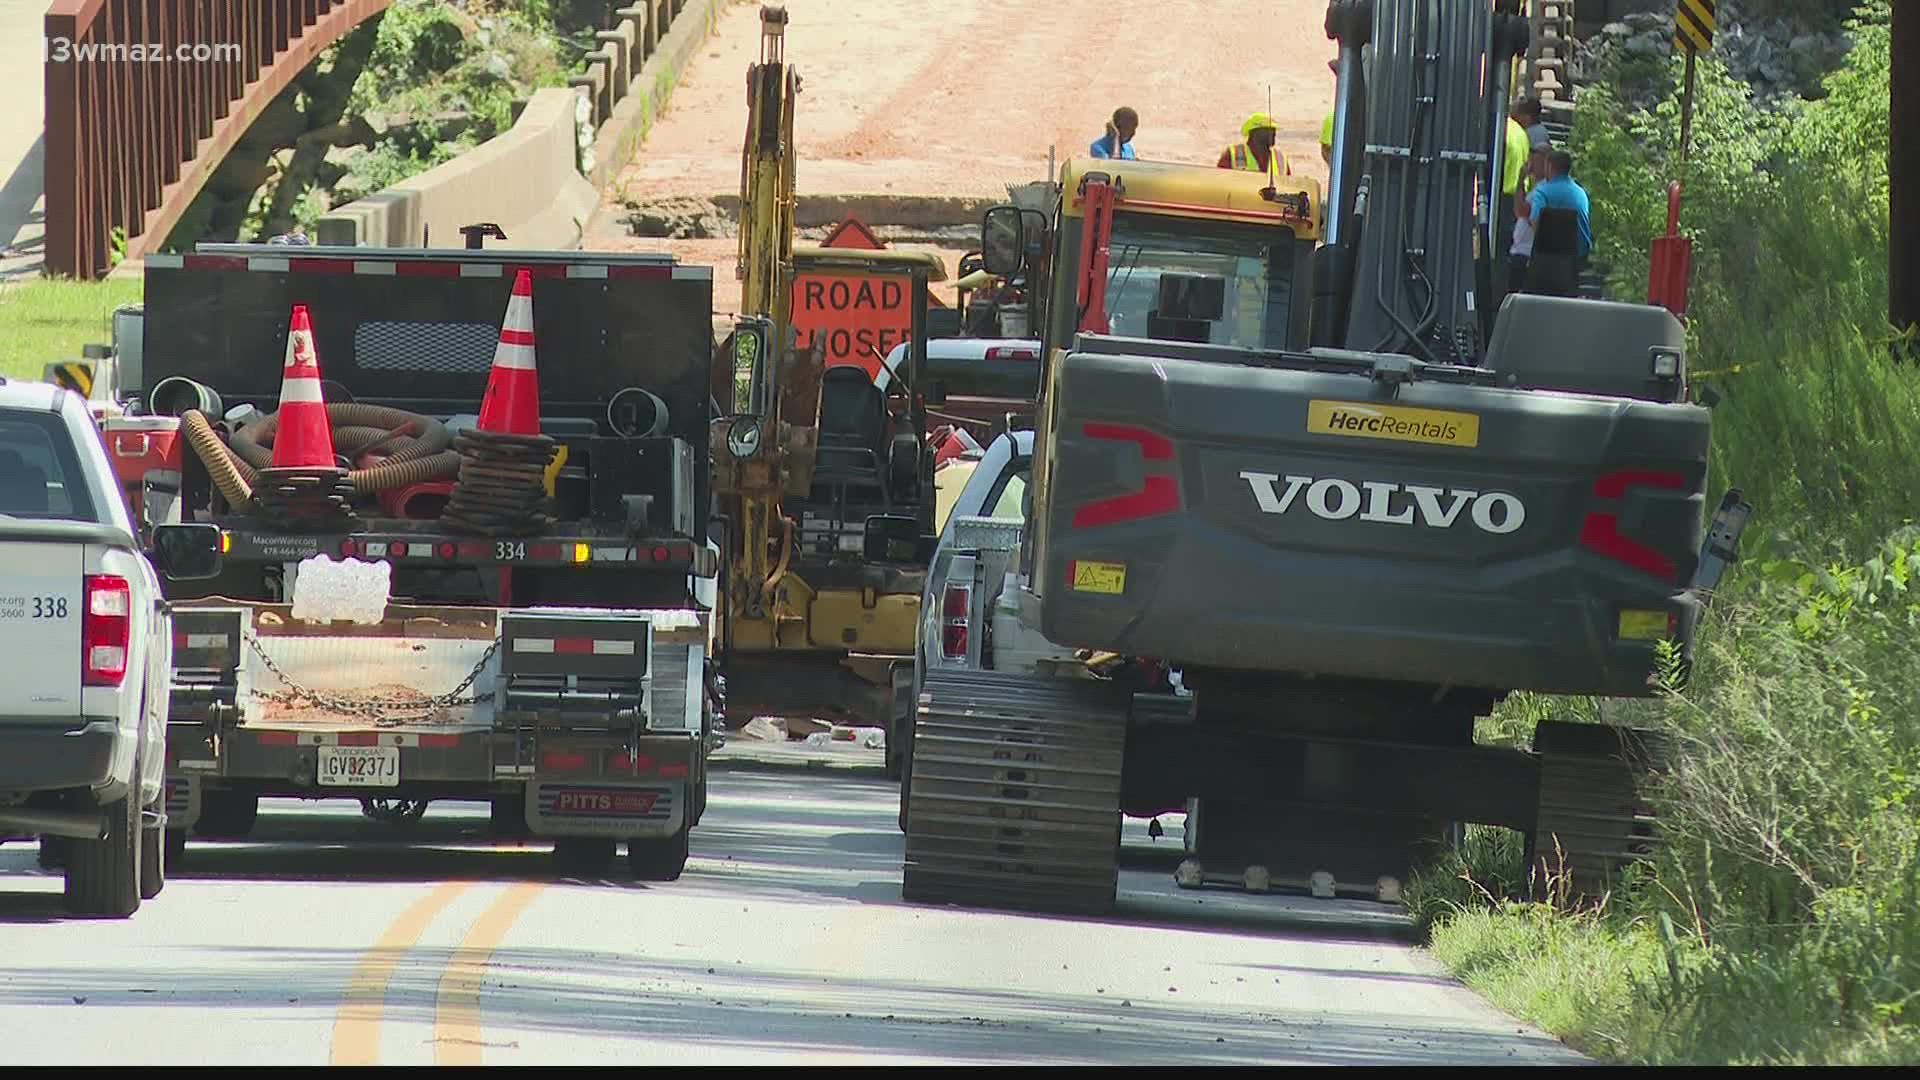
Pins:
x,y
563,673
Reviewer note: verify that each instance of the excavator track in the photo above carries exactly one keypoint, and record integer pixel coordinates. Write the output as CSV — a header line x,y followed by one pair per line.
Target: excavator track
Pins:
x,y
1015,793
1595,817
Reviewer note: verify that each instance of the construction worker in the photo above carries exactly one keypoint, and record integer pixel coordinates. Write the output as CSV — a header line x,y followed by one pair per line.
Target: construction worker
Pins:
x,y
1516,172
1326,126
1529,113
1256,152
1118,141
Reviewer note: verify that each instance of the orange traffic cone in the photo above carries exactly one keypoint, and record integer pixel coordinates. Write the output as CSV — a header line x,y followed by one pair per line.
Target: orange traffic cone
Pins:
x,y
304,439
512,403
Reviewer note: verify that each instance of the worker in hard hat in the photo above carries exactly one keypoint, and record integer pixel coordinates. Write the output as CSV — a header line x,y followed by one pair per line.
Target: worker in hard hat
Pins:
x,y
1255,152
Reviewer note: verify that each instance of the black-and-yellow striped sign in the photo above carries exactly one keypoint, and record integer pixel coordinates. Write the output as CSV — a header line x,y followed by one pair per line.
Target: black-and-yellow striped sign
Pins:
x,y
72,375
1693,25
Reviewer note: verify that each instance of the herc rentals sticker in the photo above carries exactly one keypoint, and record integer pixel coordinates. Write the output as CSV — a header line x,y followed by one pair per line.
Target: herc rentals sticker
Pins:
x,y
1397,422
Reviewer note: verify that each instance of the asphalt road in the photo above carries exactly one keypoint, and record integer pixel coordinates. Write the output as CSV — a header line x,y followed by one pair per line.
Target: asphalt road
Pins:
x,y
327,939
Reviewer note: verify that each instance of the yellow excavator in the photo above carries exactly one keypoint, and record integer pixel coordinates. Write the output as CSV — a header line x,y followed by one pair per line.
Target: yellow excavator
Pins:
x,y
822,477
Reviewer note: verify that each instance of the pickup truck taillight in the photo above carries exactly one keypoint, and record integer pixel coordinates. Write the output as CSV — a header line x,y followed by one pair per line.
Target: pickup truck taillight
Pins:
x,y
1007,352
105,628
954,605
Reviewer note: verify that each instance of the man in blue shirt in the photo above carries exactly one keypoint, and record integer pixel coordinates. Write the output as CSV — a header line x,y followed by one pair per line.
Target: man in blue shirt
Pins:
x,y
1559,213
1119,135
1561,192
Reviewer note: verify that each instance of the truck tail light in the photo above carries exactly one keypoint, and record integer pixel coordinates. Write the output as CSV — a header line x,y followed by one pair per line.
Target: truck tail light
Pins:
x,y
955,603
105,630
1600,531
1159,494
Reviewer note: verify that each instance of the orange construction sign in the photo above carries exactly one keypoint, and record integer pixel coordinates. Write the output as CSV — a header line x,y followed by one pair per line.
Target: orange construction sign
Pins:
x,y
853,233
859,317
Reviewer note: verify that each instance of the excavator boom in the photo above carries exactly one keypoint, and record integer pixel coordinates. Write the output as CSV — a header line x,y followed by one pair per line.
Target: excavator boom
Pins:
x,y
766,178
814,626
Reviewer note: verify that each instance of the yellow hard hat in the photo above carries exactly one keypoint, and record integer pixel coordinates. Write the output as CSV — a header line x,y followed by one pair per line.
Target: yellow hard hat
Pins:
x,y
1256,122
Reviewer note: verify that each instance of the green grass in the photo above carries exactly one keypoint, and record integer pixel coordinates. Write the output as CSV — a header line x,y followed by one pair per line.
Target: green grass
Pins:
x,y
1779,922
43,321
1620,989
1573,976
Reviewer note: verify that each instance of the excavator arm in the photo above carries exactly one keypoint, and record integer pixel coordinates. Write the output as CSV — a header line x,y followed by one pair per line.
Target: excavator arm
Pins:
x,y
767,159
1418,134
751,455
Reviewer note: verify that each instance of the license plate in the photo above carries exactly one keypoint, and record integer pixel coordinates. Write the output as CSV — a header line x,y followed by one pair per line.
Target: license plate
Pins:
x,y
360,766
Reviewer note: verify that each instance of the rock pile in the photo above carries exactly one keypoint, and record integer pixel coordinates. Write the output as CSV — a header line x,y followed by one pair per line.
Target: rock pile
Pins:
x,y
1777,57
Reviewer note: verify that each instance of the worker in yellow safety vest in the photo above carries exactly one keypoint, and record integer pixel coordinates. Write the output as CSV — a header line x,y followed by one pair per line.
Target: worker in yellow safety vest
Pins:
x,y
1326,126
1255,152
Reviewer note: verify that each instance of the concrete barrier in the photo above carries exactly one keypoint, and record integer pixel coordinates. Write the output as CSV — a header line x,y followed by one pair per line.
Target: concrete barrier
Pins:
x,y
528,179
619,135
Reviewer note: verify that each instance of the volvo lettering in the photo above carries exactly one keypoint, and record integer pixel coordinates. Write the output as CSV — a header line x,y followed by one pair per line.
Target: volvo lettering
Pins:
x,y
1496,512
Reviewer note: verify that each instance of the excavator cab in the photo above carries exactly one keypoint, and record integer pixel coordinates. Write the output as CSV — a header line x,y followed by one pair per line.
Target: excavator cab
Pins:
x,y
870,445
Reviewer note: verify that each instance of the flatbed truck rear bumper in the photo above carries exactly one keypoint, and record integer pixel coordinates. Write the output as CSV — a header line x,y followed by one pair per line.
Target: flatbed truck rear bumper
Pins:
x,y
593,786
593,722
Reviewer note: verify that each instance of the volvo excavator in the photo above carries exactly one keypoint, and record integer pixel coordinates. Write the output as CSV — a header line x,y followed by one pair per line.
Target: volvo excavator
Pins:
x,y
824,485
1304,505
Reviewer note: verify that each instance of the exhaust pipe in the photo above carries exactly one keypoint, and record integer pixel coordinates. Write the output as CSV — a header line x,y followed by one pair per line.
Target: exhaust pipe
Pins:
x,y
176,394
637,414
67,823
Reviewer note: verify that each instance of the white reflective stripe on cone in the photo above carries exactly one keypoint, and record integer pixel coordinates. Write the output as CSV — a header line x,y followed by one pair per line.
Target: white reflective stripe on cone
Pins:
x,y
515,357
519,312
301,390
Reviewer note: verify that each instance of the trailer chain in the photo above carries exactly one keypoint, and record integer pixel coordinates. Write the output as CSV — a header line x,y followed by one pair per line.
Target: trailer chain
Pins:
x,y
383,712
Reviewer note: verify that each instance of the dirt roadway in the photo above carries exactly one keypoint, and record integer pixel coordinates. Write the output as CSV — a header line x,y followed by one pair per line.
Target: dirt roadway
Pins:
x,y
963,97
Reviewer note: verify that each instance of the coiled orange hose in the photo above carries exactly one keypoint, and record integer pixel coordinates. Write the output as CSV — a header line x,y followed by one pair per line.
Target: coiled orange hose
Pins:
x,y
225,468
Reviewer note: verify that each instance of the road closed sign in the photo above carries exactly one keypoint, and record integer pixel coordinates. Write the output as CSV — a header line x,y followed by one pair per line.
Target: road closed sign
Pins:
x,y
858,318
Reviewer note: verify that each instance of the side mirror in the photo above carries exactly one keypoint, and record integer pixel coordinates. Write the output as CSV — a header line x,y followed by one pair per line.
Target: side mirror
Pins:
x,y
751,345
1003,240
894,538
188,552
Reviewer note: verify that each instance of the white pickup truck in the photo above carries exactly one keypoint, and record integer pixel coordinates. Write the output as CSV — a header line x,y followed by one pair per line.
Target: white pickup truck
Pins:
x,y
86,647
969,619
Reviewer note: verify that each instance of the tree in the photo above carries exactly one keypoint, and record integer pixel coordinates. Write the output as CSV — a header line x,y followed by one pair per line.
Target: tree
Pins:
x,y
300,124
1903,175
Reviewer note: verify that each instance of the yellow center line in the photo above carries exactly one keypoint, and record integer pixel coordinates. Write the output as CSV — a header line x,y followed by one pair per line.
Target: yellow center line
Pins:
x,y
356,1029
456,1016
